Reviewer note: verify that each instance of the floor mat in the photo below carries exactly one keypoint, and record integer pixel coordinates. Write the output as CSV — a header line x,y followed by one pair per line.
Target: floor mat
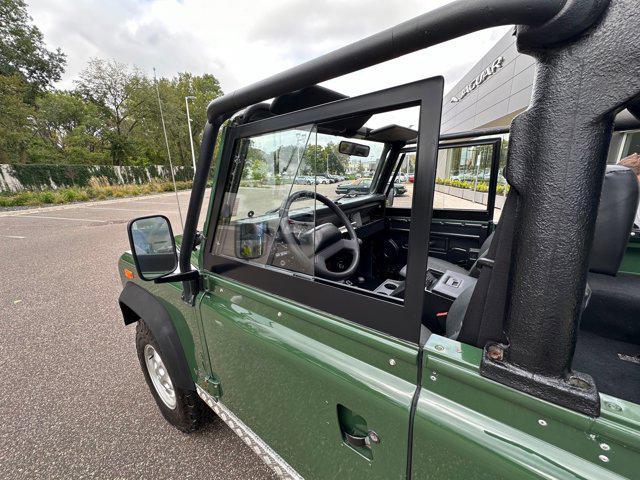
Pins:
x,y
614,365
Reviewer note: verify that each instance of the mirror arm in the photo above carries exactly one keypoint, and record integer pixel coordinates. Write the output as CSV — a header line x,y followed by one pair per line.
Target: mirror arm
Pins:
x,y
179,277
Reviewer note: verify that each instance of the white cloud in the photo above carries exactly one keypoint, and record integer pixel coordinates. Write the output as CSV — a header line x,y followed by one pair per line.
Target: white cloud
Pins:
x,y
246,40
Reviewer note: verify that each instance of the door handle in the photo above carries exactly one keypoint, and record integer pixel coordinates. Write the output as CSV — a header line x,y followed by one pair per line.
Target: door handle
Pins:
x,y
362,441
356,441
355,432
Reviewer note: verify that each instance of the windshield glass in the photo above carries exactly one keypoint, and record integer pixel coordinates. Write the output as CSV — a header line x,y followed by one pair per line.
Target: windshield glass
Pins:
x,y
322,158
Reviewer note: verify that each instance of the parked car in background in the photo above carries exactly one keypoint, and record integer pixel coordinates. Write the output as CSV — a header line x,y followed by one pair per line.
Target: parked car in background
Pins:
x,y
363,187
305,180
323,179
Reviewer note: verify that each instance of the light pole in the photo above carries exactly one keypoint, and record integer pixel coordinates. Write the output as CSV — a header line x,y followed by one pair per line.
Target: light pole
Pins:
x,y
406,158
193,153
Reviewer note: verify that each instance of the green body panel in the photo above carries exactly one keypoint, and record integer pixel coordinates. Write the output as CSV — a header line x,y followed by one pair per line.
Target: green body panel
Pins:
x,y
284,369
631,260
467,426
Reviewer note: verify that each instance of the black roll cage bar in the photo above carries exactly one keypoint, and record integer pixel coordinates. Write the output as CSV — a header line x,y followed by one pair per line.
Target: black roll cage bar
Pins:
x,y
625,121
547,272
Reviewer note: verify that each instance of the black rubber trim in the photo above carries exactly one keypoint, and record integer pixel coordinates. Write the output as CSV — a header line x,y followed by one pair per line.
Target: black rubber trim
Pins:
x,y
424,336
148,308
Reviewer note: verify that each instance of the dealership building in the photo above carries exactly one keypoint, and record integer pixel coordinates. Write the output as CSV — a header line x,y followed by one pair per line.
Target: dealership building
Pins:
x,y
499,87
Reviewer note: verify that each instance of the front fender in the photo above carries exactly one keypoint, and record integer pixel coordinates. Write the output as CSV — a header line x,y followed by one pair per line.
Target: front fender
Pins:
x,y
137,303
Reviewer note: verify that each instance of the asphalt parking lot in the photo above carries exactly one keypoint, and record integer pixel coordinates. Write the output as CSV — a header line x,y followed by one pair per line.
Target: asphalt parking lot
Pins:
x,y
74,403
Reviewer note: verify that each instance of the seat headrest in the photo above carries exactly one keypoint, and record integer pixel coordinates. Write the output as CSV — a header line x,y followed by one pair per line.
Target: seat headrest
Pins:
x,y
618,205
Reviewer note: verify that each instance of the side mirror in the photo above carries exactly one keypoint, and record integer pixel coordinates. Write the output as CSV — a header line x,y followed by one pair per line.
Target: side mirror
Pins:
x,y
353,148
152,246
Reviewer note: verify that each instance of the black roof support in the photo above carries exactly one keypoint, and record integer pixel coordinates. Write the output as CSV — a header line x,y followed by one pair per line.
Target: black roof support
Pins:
x,y
557,157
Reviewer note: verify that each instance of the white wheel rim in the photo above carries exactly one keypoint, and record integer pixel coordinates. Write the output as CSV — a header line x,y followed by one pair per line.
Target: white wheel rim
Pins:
x,y
160,377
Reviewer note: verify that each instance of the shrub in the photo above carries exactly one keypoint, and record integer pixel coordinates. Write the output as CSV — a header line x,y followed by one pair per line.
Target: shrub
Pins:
x,y
47,197
69,194
95,192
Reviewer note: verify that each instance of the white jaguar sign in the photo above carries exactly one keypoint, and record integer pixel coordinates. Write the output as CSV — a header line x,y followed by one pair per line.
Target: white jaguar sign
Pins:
x,y
480,79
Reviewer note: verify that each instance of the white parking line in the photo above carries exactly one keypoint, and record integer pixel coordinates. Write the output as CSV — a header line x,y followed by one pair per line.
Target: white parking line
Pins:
x,y
13,236
61,218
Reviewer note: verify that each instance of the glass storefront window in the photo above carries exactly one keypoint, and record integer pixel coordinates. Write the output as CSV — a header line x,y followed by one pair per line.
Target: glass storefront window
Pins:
x,y
631,144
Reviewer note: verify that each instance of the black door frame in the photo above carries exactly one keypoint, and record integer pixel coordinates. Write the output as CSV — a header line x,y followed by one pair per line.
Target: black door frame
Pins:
x,y
402,320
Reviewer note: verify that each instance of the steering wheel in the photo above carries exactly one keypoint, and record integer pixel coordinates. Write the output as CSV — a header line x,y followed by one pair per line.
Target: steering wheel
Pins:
x,y
321,242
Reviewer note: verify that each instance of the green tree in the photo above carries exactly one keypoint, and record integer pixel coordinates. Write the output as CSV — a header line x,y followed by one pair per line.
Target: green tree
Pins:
x,y
255,164
317,159
69,130
27,69
312,161
129,103
112,116
338,162
15,114
201,89
23,52
113,86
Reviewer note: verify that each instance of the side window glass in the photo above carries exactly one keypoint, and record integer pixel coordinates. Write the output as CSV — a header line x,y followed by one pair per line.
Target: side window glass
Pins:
x,y
266,170
462,178
503,186
631,144
405,180
463,174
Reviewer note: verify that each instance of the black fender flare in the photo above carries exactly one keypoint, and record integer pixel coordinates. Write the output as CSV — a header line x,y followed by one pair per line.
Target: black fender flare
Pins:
x,y
137,303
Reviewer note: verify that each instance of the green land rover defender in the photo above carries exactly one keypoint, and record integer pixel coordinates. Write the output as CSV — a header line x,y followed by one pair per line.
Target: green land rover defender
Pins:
x,y
479,326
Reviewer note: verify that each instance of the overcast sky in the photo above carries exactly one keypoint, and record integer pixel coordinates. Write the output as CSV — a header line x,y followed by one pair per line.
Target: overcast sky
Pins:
x,y
242,41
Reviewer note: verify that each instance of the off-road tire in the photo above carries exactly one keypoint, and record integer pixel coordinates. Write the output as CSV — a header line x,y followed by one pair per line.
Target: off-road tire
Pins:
x,y
190,412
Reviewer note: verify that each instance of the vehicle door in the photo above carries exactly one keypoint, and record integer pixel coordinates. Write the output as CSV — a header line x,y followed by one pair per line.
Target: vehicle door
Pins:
x,y
320,371
469,196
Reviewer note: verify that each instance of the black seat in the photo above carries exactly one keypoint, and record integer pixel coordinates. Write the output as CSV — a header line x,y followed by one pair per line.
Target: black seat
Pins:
x,y
608,345
616,213
618,204
614,311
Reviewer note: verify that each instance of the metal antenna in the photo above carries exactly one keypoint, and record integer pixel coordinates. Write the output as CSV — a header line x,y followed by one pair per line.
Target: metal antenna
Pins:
x,y
193,153
166,141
